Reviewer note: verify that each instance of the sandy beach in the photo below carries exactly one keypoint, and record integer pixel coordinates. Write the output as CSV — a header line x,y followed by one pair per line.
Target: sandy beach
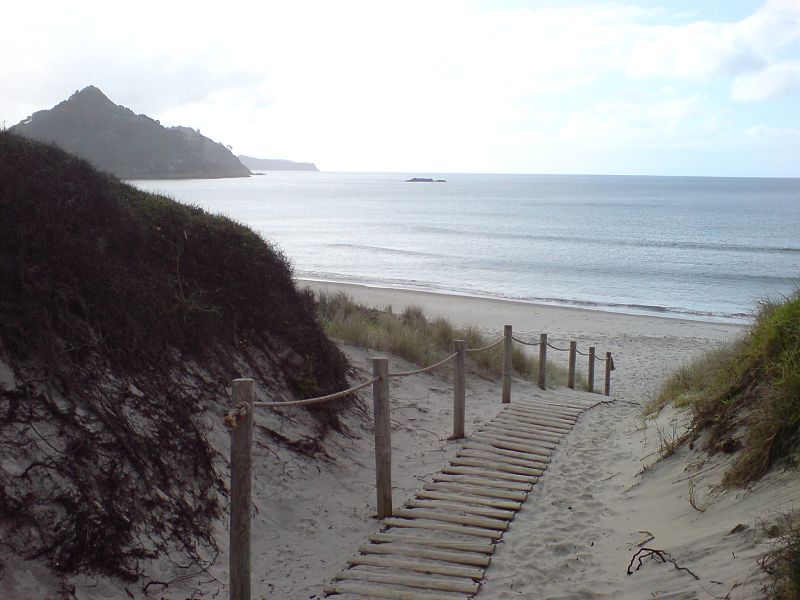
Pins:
x,y
605,496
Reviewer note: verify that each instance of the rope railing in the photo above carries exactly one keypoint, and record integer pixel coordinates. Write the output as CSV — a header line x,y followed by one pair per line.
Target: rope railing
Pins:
x,y
549,345
239,420
484,348
318,400
427,369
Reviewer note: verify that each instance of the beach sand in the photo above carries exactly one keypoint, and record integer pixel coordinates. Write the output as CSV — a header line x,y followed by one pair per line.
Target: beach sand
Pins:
x,y
609,494
605,494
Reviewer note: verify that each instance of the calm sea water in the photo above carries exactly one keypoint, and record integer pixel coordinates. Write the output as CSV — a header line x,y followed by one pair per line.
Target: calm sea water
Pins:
x,y
705,248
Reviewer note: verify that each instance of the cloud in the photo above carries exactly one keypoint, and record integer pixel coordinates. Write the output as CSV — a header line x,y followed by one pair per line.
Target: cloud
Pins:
x,y
775,80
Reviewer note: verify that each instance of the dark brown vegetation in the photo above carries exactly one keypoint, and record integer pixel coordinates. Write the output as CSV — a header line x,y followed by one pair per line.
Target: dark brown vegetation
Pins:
x,y
123,317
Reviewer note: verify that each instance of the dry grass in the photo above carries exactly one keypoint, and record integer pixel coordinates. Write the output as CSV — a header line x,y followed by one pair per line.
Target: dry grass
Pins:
x,y
782,563
411,335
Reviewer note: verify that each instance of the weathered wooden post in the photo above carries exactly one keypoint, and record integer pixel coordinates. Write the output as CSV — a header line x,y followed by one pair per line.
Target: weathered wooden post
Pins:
x,y
590,382
241,423
609,368
542,360
459,389
508,349
573,354
383,436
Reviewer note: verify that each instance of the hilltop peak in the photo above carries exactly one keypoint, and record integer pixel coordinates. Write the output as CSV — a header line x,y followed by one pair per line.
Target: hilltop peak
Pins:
x,y
115,139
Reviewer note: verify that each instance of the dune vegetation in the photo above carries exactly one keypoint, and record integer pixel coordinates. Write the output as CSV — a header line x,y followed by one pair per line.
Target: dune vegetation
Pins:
x,y
422,341
123,317
745,399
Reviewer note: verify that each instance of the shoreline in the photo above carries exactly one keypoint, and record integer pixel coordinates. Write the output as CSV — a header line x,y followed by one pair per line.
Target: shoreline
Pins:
x,y
493,313
616,308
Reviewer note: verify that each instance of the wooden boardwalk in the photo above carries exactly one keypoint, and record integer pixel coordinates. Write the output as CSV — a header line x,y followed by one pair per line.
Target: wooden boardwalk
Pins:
x,y
438,545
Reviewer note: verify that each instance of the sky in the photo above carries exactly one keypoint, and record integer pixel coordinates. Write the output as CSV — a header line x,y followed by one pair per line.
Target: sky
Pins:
x,y
671,87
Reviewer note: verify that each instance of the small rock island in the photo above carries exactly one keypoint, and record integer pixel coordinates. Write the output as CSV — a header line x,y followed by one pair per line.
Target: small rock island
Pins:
x,y
425,180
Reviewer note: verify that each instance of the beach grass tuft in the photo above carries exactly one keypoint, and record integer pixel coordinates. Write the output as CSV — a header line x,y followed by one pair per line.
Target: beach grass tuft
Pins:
x,y
746,394
422,341
782,562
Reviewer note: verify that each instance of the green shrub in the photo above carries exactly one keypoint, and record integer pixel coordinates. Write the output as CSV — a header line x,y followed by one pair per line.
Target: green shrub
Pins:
x,y
747,393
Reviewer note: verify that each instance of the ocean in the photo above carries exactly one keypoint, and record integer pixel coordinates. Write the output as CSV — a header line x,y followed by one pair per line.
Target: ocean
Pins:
x,y
690,247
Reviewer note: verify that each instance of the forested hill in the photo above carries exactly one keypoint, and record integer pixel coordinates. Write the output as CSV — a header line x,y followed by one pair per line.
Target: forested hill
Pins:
x,y
116,140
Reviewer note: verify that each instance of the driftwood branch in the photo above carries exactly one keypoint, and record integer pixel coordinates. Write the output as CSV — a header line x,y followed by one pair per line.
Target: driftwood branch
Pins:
x,y
658,556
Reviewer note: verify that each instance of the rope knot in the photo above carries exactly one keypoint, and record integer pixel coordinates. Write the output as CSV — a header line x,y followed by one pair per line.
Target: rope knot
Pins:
x,y
236,414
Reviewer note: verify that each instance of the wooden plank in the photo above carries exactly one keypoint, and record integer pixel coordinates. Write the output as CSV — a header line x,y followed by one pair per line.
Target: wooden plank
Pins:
x,y
488,454
481,548
449,486
469,520
512,443
458,529
374,591
525,414
554,408
570,407
485,482
418,567
489,473
530,425
425,583
455,558
476,446
546,440
497,465
482,511
533,419
431,495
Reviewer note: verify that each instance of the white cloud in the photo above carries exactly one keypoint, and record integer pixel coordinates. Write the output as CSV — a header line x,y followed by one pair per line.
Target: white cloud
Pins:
x,y
773,81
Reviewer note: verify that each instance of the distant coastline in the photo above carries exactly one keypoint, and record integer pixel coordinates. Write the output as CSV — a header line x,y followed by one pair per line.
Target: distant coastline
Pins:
x,y
275,164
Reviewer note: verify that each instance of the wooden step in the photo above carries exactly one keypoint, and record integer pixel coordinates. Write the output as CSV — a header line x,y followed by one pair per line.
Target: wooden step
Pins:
x,y
385,538
485,482
375,591
549,441
418,567
403,549
491,454
425,583
462,461
434,515
511,444
475,445
477,490
491,534
456,507
494,502
489,473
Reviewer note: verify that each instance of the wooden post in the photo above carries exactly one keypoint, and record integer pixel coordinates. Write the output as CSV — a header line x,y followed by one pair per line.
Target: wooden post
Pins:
x,y
590,382
609,368
241,463
573,354
459,389
508,348
542,359
383,437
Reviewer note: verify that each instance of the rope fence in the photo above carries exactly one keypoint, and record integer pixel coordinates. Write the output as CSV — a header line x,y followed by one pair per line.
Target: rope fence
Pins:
x,y
427,369
239,420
